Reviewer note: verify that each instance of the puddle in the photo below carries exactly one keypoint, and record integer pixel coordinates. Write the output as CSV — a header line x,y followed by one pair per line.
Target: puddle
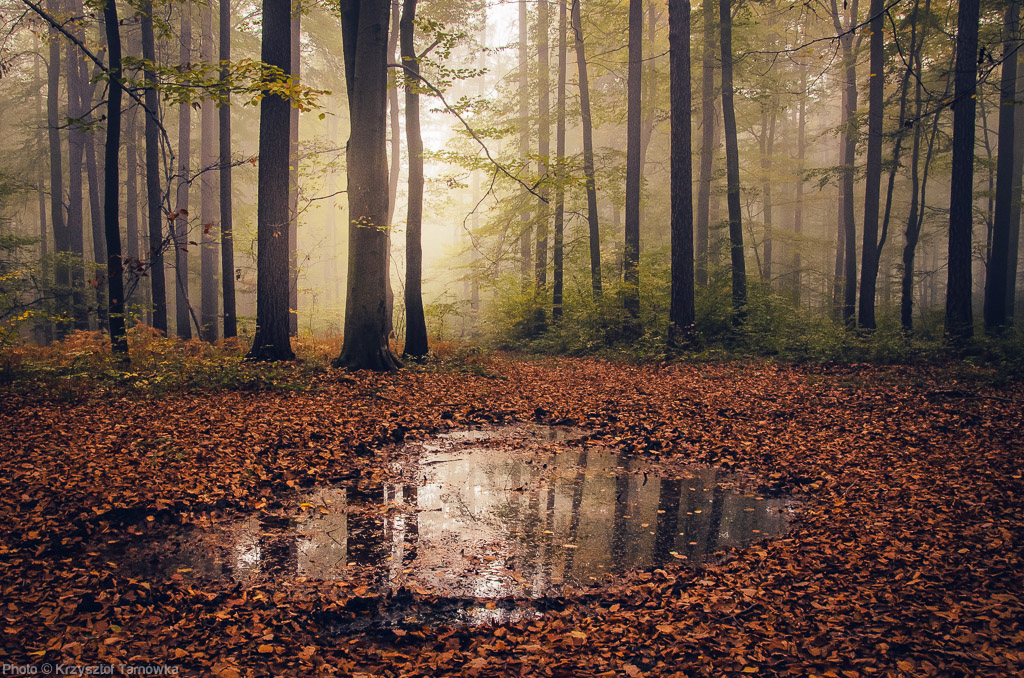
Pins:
x,y
473,517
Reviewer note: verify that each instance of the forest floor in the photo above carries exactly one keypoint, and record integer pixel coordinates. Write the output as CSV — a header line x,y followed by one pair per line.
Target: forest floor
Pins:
x,y
906,556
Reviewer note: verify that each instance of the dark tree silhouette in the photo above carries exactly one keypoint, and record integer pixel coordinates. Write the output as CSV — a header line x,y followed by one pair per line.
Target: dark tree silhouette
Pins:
x,y
870,247
586,122
227,243
153,197
364,26
707,142
681,309
272,341
732,167
631,254
111,216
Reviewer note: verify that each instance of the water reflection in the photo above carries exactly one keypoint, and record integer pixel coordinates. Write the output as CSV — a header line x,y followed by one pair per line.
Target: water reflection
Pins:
x,y
484,522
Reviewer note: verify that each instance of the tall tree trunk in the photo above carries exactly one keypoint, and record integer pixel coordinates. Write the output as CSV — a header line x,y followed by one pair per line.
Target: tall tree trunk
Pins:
x,y
208,196
153,197
873,172
131,190
293,185
92,172
543,150
396,155
1013,240
76,153
112,228
732,167
707,144
769,118
801,153
848,142
587,124
272,341
364,25
525,231
61,238
959,317
559,254
999,260
44,332
415,323
631,252
227,244
183,323
681,311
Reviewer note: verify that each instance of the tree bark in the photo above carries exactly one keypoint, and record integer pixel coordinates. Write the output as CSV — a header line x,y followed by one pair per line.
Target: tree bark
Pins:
x,y
707,145
543,151
293,185
873,171
801,154
272,341
732,168
681,310
61,237
208,196
959,317
227,244
848,157
999,259
586,122
631,252
92,172
364,26
153,197
525,230
769,118
1015,210
415,324
76,153
559,254
112,228
182,315
43,328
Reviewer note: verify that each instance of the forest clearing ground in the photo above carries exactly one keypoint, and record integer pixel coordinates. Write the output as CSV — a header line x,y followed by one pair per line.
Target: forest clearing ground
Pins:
x,y
905,558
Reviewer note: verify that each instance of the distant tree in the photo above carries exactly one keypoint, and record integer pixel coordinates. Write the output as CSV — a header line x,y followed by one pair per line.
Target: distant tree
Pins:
x,y
182,309
272,340
959,318
587,128
76,155
681,309
526,231
707,144
153,194
61,238
543,151
208,195
364,26
558,254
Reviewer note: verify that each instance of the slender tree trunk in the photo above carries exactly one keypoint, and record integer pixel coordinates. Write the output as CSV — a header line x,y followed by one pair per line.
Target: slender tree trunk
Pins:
x,y
1013,240
999,259
272,340
769,118
293,186
396,154
912,231
631,252
525,231
559,254
364,25
153,198
61,238
848,141
112,228
873,173
208,196
586,121
732,163
707,145
798,214
227,245
44,334
959,318
76,153
415,323
543,150
681,309
92,172
183,322
131,192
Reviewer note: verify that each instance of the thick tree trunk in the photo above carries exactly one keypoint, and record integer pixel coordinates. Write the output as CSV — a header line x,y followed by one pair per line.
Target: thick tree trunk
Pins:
x,y
364,26
227,245
1013,240
681,311
272,340
415,323
631,252
153,193
293,186
396,155
732,168
208,197
559,266
707,145
959,317
999,259
873,172
586,121
182,315
112,228
61,237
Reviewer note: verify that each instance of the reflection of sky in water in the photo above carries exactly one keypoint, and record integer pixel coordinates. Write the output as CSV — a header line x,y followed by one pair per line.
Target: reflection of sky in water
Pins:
x,y
486,523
